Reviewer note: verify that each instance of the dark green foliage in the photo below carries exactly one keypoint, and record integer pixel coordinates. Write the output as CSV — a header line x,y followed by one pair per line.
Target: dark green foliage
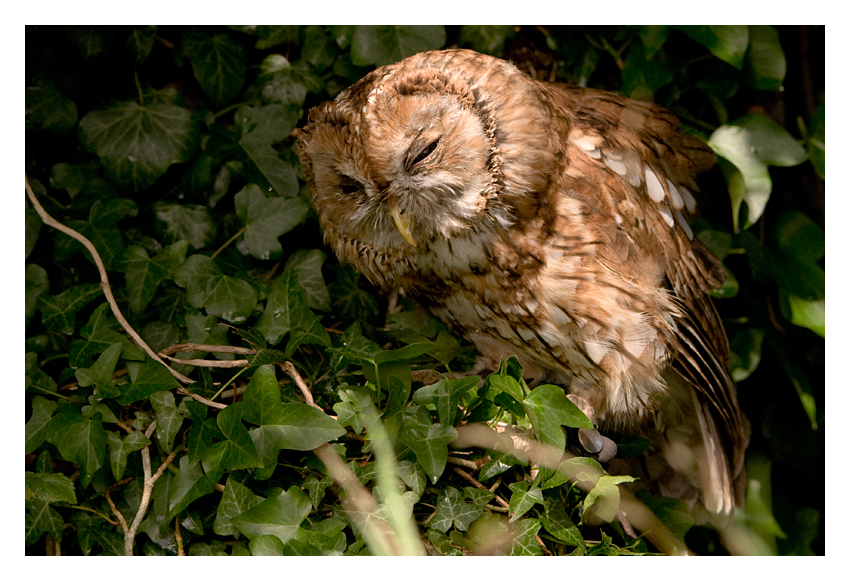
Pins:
x,y
171,150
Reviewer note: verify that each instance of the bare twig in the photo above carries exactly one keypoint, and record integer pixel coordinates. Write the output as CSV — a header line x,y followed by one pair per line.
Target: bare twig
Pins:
x,y
209,362
290,370
477,484
104,280
189,347
179,537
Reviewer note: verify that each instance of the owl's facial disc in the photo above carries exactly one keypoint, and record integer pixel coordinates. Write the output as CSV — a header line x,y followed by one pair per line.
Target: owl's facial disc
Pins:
x,y
431,153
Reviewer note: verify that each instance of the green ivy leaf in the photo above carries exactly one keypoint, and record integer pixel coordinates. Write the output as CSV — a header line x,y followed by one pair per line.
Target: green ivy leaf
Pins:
x,y
236,499
558,523
453,510
287,312
79,440
307,266
263,127
100,373
728,43
58,312
266,546
147,378
137,143
37,284
428,441
266,219
764,62
816,143
168,418
99,333
46,108
38,427
144,274
382,45
525,538
486,39
605,496
523,498
751,144
187,222
41,518
51,488
119,450
280,516
219,64
141,41
190,484
291,426
445,395
548,408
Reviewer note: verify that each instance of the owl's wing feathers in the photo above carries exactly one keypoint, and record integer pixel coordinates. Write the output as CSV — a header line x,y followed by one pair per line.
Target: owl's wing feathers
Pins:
x,y
648,167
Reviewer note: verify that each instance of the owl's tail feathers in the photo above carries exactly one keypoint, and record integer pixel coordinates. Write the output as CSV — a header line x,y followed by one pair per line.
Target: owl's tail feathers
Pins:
x,y
701,459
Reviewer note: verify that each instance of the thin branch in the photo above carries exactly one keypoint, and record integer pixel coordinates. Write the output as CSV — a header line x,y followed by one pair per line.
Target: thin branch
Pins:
x,y
290,370
104,280
189,347
209,362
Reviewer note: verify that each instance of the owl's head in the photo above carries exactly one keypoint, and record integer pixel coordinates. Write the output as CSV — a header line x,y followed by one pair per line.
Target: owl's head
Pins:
x,y
420,150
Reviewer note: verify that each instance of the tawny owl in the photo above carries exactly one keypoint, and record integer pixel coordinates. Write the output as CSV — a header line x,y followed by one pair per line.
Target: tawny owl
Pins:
x,y
546,221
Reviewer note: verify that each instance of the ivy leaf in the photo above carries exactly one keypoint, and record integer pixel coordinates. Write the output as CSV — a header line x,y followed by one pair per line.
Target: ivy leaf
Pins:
x,y
187,222
316,488
263,127
79,440
382,45
99,333
728,43
143,275
218,63
445,395
548,408
558,523
100,374
764,62
523,498
307,266
37,284
168,418
190,484
453,510
236,499
525,542
816,143
751,144
266,546
428,441
486,39
291,426
280,516
605,496
41,518
119,450
141,41
148,378
51,488
230,298
238,450
266,219
58,312
136,143
46,108
37,428
287,312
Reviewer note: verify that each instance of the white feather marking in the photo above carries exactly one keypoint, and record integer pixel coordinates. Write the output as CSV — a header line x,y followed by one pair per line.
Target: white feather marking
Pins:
x,y
653,186
690,202
595,351
526,334
668,216
675,198
594,153
684,224
617,165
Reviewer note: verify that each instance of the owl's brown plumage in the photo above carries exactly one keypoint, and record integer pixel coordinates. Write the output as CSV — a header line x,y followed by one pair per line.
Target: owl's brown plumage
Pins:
x,y
549,222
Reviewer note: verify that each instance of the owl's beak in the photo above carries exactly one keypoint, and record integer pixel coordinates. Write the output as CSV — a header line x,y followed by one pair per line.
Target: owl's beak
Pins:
x,y
403,225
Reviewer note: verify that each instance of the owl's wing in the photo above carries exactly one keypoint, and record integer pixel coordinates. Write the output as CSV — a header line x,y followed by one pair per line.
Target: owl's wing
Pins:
x,y
649,165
